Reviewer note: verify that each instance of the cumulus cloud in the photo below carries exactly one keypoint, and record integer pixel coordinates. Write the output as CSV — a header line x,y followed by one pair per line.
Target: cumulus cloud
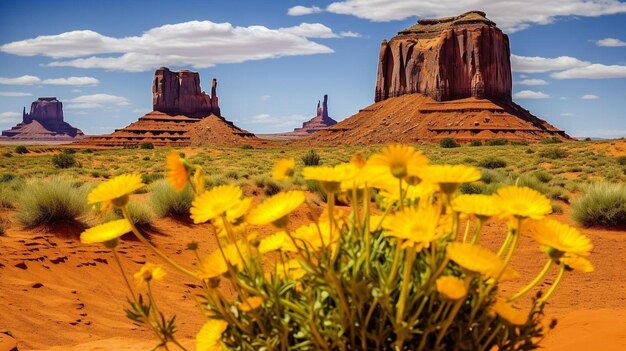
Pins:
x,y
350,34
266,97
199,44
593,71
277,124
510,16
567,114
529,94
33,80
14,94
532,81
303,10
589,97
10,117
95,101
537,64
610,42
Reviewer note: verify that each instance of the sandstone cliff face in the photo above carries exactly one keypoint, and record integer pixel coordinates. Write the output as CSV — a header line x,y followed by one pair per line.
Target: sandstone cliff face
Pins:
x,y
446,59
178,93
43,122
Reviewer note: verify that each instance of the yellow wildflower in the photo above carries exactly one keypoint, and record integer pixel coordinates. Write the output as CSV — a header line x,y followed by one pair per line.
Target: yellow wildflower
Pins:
x,y
330,178
198,179
292,268
177,174
115,191
214,264
148,272
559,238
210,335
105,232
277,242
577,263
275,209
215,202
417,227
522,202
451,287
250,304
509,313
481,206
317,238
474,258
450,177
283,169
400,160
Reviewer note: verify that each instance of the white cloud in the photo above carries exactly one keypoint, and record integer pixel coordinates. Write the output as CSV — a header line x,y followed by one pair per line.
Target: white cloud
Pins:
x,y
199,44
510,16
350,34
563,98
529,94
567,114
310,30
589,97
523,76
277,124
141,110
95,101
531,81
611,42
266,97
77,91
14,94
33,80
537,64
303,10
10,117
593,71
23,80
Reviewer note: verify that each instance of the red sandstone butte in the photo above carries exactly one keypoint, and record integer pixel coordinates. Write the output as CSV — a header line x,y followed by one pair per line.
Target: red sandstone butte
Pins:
x,y
44,122
178,93
445,59
319,122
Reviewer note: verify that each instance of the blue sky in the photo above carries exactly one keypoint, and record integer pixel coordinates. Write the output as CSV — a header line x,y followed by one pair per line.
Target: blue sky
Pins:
x,y
275,59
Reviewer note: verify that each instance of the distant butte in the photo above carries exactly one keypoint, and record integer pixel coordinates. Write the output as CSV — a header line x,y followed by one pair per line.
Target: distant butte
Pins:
x,y
182,115
442,78
44,122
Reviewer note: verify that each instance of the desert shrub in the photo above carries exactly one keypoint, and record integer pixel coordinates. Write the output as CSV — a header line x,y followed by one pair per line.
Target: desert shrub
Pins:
x,y
140,214
166,201
69,151
146,145
247,147
553,154
621,160
8,177
88,151
489,176
492,163
148,178
533,183
7,154
21,149
530,151
543,176
448,143
146,158
470,188
497,142
601,204
232,174
476,143
50,201
63,160
3,226
557,208
315,188
519,143
311,158
271,188
551,140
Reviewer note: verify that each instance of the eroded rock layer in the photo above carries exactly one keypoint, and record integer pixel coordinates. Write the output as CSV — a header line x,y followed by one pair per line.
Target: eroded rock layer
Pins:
x,y
179,93
319,122
43,122
445,59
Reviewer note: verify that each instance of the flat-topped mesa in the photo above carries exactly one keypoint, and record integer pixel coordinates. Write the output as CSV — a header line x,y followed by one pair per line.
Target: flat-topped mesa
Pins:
x,y
319,122
43,122
446,59
179,93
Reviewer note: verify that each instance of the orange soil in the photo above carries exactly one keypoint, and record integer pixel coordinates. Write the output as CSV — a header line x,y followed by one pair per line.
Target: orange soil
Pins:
x,y
58,294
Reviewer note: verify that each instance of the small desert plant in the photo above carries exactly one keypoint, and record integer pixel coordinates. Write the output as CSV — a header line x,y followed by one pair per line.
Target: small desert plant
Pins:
x,y
553,154
530,151
551,140
476,143
311,158
271,188
3,226
489,176
50,201
543,176
148,178
492,163
7,155
21,149
448,143
140,214
247,147
621,160
63,160
166,201
601,204
519,143
470,188
146,145
69,151
497,142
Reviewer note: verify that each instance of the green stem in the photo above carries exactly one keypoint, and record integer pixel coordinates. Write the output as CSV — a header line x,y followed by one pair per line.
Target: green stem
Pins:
x,y
506,242
550,291
467,226
119,264
394,265
479,226
534,283
513,246
410,256
154,249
